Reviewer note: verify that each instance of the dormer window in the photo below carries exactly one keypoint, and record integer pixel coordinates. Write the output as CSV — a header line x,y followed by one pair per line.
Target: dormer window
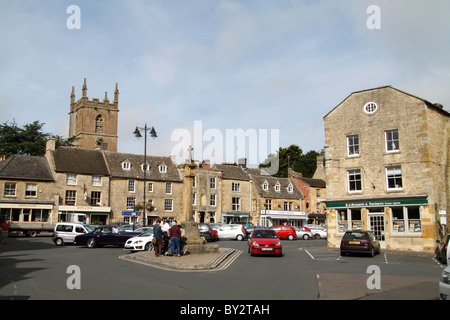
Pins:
x,y
265,186
163,168
277,187
126,165
290,188
147,167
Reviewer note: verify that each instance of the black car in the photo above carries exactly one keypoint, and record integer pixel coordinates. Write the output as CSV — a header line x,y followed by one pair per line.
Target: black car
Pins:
x,y
206,231
105,235
358,241
441,250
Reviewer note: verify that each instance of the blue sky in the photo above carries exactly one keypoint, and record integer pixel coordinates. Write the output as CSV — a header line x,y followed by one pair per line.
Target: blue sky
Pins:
x,y
254,64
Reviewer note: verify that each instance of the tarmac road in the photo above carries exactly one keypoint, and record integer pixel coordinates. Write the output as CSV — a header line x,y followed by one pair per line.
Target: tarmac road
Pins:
x,y
34,268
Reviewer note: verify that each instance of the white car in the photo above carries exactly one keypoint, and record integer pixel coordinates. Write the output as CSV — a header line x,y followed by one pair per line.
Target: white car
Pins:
x,y
302,233
444,284
142,242
231,231
319,232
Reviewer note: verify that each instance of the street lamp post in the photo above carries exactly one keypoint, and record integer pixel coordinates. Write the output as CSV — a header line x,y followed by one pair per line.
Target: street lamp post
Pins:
x,y
137,134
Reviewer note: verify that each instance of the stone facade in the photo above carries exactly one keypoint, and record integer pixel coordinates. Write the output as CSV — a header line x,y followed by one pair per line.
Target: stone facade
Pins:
x,y
207,195
386,165
276,201
94,123
235,194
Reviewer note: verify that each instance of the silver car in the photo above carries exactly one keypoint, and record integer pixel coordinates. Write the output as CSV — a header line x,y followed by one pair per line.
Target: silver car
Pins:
x,y
319,232
65,232
444,284
231,231
302,233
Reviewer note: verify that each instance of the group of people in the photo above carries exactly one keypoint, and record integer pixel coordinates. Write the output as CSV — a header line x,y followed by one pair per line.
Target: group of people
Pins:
x,y
165,233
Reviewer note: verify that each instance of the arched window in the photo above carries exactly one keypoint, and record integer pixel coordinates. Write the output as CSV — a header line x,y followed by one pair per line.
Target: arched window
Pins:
x,y
99,124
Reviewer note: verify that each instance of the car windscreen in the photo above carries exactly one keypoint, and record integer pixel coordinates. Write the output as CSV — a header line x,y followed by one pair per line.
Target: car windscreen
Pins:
x,y
147,234
355,235
264,234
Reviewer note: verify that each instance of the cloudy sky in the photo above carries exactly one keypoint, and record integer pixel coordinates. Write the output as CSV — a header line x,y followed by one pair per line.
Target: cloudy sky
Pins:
x,y
196,69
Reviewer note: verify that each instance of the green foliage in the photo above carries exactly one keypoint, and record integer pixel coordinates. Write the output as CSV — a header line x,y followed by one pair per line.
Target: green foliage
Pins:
x,y
28,140
294,158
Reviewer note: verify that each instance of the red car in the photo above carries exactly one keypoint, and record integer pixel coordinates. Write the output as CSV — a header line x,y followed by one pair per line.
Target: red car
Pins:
x,y
285,232
264,241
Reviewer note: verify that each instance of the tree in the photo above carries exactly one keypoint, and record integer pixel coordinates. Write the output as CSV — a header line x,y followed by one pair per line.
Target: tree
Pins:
x,y
28,140
293,157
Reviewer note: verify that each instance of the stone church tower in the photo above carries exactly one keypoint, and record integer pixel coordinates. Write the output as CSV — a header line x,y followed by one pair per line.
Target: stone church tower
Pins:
x,y
94,123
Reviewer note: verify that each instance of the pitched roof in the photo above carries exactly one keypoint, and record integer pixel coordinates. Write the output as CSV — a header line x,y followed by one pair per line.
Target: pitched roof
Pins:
x,y
315,183
232,172
435,106
115,160
80,161
24,167
259,180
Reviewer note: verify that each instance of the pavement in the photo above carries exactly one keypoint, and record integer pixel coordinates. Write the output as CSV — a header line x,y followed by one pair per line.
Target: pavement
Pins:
x,y
211,261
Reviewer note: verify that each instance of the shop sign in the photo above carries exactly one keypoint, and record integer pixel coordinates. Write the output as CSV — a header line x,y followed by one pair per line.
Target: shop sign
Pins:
x,y
389,203
131,213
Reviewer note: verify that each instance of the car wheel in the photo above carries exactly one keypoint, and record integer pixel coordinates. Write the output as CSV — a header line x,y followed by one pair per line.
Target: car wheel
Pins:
x,y
239,237
372,252
290,237
90,243
317,236
305,237
59,241
343,253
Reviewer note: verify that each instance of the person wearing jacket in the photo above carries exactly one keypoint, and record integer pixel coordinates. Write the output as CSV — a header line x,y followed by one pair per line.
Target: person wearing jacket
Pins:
x,y
157,234
175,237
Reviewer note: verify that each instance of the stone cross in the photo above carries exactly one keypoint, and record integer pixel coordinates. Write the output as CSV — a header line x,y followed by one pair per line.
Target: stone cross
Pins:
x,y
190,153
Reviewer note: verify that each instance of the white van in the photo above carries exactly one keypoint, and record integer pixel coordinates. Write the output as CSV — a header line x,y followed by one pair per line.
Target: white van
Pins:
x,y
65,232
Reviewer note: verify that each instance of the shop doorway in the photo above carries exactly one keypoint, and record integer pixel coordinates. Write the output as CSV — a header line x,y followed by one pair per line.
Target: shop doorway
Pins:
x,y
377,226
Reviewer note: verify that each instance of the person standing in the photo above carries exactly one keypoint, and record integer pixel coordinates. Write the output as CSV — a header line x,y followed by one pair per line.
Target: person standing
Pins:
x,y
5,229
157,234
175,237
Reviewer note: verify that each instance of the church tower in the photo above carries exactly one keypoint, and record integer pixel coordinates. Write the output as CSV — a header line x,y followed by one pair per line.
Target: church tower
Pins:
x,y
94,123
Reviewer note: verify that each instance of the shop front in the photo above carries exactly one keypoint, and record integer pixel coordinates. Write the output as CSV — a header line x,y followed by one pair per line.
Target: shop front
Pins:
x,y
235,216
406,223
269,218
88,215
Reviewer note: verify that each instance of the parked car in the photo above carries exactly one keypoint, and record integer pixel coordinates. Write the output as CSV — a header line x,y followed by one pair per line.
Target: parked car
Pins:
x,y
441,249
65,232
231,231
216,225
444,284
206,231
318,231
303,233
285,232
105,235
142,242
249,229
144,229
264,241
359,241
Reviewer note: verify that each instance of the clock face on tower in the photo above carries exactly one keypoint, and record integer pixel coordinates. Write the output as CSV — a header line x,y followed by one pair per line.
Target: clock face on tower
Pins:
x,y
99,141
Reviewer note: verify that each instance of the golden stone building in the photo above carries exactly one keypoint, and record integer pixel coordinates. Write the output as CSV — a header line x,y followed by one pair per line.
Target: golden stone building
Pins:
x,y
386,166
94,123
